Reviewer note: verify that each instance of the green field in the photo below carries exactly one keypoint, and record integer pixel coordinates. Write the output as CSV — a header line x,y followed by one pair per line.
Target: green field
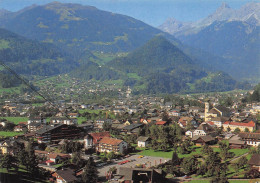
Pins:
x,y
168,154
9,134
16,120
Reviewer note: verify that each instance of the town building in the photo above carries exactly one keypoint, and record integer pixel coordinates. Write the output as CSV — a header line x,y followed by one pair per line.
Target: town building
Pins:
x,y
108,144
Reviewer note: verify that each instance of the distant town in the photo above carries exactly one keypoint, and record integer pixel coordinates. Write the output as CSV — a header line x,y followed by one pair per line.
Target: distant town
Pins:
x,y
158,139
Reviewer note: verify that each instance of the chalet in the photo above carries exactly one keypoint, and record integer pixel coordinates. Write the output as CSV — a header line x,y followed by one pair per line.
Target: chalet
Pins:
x,y
108,144
133,128
202,140
254,162
56,133
203,130
236,143
251,126
92,139
252,139
143,141
126,174
66,175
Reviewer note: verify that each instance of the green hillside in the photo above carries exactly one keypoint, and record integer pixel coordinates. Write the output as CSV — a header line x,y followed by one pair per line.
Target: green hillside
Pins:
x,y
77,28
31,57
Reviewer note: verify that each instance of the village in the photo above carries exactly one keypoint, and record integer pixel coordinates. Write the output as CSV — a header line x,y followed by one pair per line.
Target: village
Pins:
x,y
132,138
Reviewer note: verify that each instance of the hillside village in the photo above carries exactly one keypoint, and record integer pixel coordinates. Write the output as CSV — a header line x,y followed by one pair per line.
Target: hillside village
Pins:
x,y
147,135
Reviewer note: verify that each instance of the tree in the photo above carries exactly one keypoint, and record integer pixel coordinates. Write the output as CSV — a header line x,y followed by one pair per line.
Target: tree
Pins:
x,y
175,159
8,161
189,165
89,174
76,159
237,130
110,155
246,130
242,162
228,129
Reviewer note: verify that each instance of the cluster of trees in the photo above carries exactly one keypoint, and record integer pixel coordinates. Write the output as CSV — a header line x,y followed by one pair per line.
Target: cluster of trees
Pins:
x,y
255,96
9,126
163,137
25,158
71,146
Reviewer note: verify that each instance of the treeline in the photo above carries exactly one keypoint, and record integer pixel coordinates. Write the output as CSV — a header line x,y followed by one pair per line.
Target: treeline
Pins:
x,y
255,96
31,57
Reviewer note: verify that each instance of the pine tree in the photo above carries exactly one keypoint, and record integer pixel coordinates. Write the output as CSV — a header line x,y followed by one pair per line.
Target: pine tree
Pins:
x,y
89,174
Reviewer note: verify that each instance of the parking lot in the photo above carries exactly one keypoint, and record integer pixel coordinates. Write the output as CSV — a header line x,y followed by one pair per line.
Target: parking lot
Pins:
x,y
146,161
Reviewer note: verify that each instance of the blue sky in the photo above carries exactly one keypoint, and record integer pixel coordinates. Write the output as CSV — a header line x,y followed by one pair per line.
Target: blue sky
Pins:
x,y
153,12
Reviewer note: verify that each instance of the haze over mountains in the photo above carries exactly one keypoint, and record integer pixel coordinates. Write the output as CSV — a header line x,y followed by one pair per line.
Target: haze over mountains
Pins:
x,y
232,35
70,34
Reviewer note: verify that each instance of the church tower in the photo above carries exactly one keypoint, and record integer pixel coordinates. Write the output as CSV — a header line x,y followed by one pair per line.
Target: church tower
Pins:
x,y
206,110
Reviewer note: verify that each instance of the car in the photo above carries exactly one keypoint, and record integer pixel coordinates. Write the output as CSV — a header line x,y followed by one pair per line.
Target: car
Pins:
x,y
141,156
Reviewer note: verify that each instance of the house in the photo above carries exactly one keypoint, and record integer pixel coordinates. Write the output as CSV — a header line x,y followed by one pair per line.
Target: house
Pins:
x,y
37,120
161,123
57,157
10,147
203,130
73,115
66,175
218,121
252,139
236,143
251,126
63,120
189,133
100,122
92,139
143,141
254,162
34,126
133,128
202,140
56,133
108,144
127,174
175,112
183,122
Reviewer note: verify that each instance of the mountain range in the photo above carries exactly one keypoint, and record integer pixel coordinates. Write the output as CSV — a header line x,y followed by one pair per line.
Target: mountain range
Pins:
x,y
231,35
76,27
62,38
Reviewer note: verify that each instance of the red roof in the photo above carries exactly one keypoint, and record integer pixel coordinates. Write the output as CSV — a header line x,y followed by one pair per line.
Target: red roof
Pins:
x,y
249,124
161,123
49,161
211,123
98,136
110,141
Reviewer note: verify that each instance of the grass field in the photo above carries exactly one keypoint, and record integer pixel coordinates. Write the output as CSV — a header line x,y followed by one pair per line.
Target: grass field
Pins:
x,y
9,134
16,120
197,150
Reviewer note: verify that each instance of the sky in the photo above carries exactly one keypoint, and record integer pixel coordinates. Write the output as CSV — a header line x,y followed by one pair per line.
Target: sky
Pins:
x,y
153,12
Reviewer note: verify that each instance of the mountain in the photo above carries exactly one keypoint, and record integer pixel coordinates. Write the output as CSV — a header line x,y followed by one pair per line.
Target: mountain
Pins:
x,y
30,57
158,67
78,28
230,35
